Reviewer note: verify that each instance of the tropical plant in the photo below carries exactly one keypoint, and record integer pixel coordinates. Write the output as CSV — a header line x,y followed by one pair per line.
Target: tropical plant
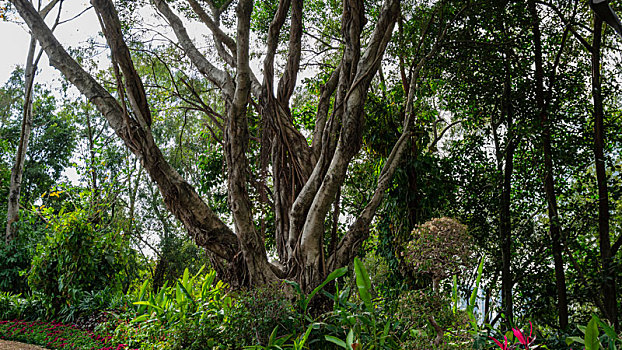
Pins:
x,y
593,339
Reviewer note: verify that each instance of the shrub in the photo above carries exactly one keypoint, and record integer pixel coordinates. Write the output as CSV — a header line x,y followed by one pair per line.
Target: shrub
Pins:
x,y
33,307
421,314
256,313
80,254
439,248
15,256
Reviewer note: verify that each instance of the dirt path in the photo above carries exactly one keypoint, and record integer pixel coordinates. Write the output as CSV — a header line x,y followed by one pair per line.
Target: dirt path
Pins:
x,y
11,345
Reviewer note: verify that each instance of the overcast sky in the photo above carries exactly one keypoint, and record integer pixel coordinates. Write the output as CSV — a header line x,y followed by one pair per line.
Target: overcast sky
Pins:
x,y
14,38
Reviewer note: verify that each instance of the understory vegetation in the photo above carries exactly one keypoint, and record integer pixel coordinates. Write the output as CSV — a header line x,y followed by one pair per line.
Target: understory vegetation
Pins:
x,y
317,174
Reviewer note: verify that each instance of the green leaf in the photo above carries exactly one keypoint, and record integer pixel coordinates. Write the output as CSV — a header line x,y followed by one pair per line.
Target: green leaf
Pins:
x,y
471,305
304,338
272,336
185,278
336,341
608,330
591,335
140,318
571,340
480,269
363,283
178,295
198,273
187,294
333,276
350,339
146,303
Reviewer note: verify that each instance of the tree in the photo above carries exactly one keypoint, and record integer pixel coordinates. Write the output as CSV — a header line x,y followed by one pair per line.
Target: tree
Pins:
x,y
52,138
305,177
543,101
20,157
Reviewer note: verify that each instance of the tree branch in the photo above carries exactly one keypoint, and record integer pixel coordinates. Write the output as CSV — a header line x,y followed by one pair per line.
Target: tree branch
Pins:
x,y
181,199
219,77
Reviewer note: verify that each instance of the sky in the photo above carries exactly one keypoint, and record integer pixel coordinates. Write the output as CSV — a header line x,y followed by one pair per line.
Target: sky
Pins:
x,y
14,38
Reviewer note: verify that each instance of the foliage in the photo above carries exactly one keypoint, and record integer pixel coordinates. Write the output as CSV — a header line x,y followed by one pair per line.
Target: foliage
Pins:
x,y
365,323
37,306
593,339
15,257
52,140
258,315
416,310
439,248
180,316
476,137
82,253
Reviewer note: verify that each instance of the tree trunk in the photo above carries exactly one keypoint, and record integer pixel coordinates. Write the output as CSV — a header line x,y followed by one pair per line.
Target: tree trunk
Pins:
x,y
505,223
549,181
91,138
20,158
608,274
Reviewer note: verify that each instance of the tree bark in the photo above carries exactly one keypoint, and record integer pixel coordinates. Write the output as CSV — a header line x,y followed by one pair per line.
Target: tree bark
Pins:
x,y
549,181
236,144
608,274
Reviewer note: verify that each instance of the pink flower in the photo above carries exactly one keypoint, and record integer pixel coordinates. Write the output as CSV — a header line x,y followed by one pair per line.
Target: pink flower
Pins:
x,y
503,346
521,338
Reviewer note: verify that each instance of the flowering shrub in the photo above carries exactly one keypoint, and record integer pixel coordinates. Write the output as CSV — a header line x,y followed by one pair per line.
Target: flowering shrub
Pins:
x,y
56,335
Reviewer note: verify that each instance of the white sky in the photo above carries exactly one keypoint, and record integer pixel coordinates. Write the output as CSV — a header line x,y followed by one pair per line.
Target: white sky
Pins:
x,y
14,38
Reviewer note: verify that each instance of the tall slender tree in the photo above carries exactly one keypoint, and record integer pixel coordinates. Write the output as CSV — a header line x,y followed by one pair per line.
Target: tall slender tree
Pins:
x,y
17,171
549,181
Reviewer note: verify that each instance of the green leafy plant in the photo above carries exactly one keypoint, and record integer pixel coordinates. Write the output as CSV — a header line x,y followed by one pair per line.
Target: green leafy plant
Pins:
x,y
80,254
304,299
471,306
366,327
592,338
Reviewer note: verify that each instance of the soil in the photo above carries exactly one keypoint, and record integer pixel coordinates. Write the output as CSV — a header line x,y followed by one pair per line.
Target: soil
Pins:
x,y
11,345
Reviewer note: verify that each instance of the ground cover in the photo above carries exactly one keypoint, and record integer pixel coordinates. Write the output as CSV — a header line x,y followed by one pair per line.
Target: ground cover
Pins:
x,y
56,335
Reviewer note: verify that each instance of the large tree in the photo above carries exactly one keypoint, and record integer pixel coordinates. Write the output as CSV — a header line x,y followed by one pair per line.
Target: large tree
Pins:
x,y
307,170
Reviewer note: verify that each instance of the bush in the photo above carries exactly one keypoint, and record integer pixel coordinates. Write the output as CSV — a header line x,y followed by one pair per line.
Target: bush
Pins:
x,y
79,255
16,255
34,307
421,314
439,248
256,313
15,259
